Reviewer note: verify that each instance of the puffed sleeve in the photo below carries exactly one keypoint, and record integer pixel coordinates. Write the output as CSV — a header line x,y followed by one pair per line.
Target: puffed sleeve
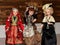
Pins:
x,y
44,19
52,20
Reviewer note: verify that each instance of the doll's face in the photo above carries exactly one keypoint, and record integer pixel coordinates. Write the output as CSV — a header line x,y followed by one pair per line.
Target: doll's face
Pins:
x,y
31,12
15,12
48,12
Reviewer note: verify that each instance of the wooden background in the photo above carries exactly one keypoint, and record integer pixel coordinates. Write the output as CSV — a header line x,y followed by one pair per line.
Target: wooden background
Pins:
x,y
7,5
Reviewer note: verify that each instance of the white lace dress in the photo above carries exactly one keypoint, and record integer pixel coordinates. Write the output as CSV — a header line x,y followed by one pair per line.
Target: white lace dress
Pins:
x,y
28,31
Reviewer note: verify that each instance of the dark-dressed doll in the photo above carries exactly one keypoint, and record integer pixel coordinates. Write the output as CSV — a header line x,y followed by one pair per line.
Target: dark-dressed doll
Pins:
x,y
29,31
14,28
48,30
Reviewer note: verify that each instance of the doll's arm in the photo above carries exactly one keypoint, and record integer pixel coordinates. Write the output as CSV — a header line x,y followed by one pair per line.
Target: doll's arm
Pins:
x,y
20,24
7,24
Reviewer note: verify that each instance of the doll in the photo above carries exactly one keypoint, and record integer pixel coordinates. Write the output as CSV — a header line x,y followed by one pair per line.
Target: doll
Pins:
x,y
14,28
30,22
48,30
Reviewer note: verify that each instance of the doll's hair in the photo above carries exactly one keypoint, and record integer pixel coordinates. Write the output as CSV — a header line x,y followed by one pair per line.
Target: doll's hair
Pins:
x,y
31,9
47,7
14,9
51,10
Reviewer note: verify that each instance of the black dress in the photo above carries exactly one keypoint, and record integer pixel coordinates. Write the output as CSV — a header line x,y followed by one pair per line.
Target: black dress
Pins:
x,y
48,34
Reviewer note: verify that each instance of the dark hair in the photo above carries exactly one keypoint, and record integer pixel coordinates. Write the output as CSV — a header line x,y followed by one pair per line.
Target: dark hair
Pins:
x,y
31,9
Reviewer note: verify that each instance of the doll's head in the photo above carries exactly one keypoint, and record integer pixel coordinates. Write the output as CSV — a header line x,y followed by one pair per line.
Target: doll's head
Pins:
x,y
15,11
47,10
31,11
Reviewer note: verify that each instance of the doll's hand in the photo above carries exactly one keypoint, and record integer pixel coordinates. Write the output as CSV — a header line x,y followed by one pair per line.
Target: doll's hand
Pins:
x,y
20,30
34,20
50,23
7,29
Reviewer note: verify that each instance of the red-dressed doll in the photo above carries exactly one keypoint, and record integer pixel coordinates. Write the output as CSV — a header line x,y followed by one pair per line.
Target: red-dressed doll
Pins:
x,y
14,28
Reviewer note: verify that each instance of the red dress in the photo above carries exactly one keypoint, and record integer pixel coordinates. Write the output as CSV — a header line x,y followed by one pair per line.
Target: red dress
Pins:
x,y
14,35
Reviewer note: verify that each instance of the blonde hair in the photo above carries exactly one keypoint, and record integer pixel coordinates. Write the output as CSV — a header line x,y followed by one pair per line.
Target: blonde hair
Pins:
x,y
51,10
46,7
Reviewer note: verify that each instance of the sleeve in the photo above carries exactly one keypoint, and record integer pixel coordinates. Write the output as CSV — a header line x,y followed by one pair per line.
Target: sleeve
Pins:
x,y
7,23
52,20
35,16
44,19
20,24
